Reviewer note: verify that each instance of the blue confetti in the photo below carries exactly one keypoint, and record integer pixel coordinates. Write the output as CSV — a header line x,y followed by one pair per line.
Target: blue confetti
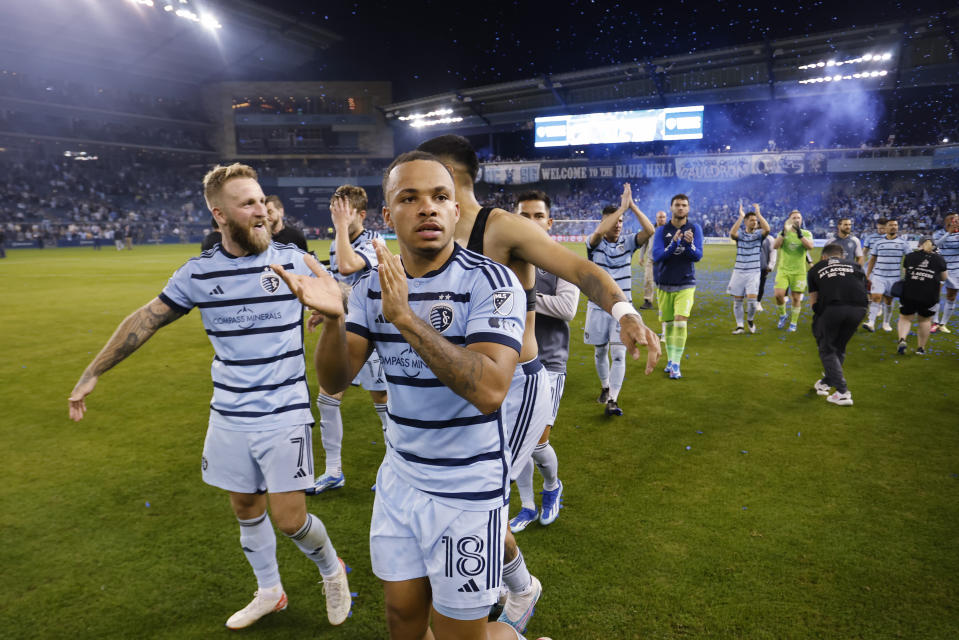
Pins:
x,y
688,447
147,505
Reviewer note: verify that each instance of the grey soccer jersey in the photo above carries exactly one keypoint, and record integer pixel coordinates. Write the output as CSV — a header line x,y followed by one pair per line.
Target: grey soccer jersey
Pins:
x,y
889,253
615,258
748,249
363,246
948,244
552,327
256,327
436,440
851,248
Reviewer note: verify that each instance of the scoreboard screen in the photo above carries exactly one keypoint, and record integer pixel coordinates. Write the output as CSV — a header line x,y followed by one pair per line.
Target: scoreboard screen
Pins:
x,y
675,123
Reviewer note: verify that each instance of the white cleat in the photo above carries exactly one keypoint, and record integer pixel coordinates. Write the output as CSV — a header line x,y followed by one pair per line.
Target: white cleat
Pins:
x,y
842,399
338,598
519,608
264,602
821,388
886,326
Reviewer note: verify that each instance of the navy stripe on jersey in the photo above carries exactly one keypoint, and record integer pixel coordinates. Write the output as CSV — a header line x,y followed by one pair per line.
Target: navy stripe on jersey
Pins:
x,y
889,254
170,303
452,462
250,362
497,274
260,414
408,381
244,301
254,330
239,272
748,249
615,258
442,424
428,295
497,338
468,495
262,387
396,337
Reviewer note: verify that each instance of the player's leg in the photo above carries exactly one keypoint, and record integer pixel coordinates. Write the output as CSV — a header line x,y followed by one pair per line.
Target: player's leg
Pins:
x,y
752,293
948,307
524,486
448,628
408,608
665,301
544,456
886,313
229,465
648,284
596,334
738,314
779,291
875,308
526,411
682,307
736,288
762,289
523,588
285,457
617,373
331,436
797,285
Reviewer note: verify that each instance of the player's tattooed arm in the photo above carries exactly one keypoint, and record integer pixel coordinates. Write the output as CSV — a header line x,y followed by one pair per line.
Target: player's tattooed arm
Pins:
x,y
136,329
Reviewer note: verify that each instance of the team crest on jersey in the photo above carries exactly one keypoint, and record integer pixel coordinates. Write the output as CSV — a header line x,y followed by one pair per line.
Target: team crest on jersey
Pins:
x,y
502,302
441,316
269,281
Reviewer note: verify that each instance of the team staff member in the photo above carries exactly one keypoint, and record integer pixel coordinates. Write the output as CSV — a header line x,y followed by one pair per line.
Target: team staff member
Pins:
x,y
282,233
925,273
837,292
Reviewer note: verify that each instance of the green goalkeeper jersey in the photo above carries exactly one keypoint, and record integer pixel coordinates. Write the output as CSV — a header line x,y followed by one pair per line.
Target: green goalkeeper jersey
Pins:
x,y
792,259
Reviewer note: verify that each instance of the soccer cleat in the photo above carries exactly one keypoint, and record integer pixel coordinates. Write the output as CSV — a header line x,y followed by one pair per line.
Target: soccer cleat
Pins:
x,y
551,504
934,327
886,326
326,482
920,351
842,399
901,349
603,395
868,326
751,325
519,608
669,366
781,324
792,327
662,337
338,598
612,409
674,373
738,331
647,304
821,388
523,519
759,307
259,607
944,329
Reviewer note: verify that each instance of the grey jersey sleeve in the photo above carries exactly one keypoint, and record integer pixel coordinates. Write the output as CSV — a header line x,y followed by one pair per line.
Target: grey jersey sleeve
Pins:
x,y
563,304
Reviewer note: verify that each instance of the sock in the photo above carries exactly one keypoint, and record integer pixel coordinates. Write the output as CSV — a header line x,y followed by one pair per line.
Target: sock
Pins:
x,y
663,331
795,315
947,310
259,544
548,464
602,365
886,313
668,332
617,371
678,340
874,310
738,312
524,486
781,309
516,575
313,541
751,309
331,432
381,414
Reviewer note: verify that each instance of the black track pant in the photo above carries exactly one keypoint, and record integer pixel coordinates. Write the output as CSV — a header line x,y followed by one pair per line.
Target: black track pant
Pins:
x,y
833,328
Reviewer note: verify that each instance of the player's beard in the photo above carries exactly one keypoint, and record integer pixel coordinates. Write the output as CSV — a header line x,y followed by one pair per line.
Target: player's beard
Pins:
x,y
249,240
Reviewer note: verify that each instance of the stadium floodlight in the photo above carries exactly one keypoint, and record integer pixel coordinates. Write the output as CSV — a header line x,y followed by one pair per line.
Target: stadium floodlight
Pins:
x,y
421,116
210,22
945,141
419,123
887,56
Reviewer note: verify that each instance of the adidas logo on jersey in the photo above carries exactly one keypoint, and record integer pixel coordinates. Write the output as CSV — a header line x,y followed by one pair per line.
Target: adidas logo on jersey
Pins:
x,y
217,291
299,473
469,587
379,318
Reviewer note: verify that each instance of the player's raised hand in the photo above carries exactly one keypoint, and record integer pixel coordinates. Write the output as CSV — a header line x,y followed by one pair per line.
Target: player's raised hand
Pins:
x,y
634,335
688,236
396,304
742,214
321,293
627,196
341,211
756,208
77,399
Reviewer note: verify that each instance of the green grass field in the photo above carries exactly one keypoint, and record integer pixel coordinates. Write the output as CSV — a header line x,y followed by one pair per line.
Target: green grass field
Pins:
x,y
734,503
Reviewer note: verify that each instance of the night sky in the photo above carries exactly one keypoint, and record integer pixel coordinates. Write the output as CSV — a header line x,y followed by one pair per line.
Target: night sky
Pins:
x,y
442,46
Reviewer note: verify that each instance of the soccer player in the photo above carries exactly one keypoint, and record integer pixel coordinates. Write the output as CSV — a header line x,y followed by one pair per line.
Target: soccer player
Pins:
x,y
748,267
848,242
885,268
614,255
448,324
281,232
677,247
948,245
258,445
351,256
871,237
518,243
556,302
925,271
837,292
794,242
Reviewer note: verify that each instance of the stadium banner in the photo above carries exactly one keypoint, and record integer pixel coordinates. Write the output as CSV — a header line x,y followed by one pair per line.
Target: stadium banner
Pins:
x,y
510,173
531,172
785,163
717,240
714,168
864,165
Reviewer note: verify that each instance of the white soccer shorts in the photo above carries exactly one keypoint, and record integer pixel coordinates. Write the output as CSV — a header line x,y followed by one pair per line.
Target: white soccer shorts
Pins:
x,y
952,279
371,376
743,283
526,412
880,285
277,460
600,328
557,383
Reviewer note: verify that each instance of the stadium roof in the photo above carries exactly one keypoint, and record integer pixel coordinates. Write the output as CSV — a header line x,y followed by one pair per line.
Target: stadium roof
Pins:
x,y
142,37
916,53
